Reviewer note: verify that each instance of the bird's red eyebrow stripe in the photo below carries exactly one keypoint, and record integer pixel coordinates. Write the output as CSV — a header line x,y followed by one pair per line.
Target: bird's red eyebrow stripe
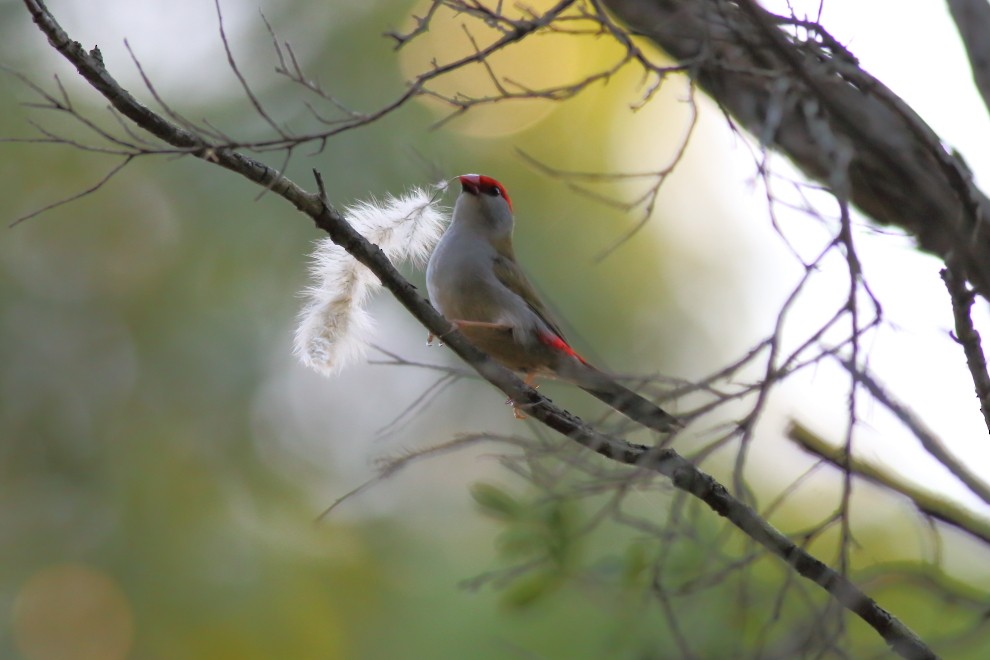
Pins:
x,y
489,182
555,342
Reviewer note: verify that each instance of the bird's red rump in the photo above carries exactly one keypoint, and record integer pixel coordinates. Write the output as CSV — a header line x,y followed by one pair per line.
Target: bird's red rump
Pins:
x,y
555,342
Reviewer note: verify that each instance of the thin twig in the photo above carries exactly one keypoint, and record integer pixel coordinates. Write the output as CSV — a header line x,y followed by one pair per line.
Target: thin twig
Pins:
x,y
82,193
928,439
929,502
972,19
968,337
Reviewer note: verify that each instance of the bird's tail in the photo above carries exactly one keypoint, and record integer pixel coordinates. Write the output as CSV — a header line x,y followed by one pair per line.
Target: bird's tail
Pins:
x,y
630,404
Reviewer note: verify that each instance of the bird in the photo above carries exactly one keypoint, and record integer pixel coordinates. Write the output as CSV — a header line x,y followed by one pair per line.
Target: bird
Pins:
x,y
475,282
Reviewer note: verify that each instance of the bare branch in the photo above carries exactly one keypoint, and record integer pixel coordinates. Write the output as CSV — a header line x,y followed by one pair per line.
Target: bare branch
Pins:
x,y
169,112
969,338
899,172
82,193
928,439
682,474
928,502
259,108
972,18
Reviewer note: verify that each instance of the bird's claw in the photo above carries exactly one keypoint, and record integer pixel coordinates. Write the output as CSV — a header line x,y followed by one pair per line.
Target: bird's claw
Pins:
x,y
516,412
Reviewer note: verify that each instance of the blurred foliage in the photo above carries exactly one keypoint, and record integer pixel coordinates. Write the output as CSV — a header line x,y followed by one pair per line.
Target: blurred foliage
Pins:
x,y
163,459
144,343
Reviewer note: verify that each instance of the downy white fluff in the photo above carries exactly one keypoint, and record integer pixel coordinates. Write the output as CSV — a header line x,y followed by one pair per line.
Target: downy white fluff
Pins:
x,y
333,325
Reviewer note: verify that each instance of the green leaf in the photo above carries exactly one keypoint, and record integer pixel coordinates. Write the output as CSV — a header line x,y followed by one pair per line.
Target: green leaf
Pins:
x,y
637,560
495,501
527,590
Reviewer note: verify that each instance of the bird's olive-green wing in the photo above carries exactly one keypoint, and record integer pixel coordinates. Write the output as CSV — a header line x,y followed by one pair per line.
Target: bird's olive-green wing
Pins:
x,y
511,275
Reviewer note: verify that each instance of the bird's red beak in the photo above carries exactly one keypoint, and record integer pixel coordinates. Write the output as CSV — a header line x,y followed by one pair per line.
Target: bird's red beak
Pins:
x,y
471,183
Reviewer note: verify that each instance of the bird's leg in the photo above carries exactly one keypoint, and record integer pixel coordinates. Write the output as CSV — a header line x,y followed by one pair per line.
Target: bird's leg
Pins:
x,y
460,324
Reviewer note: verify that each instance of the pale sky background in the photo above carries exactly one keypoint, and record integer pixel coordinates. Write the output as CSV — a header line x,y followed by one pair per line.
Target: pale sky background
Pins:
x,y
915,50
912,354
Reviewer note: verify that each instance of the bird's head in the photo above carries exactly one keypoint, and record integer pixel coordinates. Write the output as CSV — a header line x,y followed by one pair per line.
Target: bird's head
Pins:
x,y
484,205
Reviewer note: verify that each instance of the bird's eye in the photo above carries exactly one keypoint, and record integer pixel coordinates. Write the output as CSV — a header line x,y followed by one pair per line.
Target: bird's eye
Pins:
x,y
492,188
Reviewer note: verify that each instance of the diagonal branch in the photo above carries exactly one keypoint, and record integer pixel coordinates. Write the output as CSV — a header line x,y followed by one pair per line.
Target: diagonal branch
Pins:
x,y
79,195
969,338
972,18
683,474
928,502
928,439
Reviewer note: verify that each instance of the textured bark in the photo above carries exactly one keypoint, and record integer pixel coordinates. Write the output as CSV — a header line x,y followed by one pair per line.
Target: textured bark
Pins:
x,y
838,124
972,18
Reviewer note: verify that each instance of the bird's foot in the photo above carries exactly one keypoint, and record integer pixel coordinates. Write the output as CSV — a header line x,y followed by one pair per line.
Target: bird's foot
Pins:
x,y
517,409
460,324
516,412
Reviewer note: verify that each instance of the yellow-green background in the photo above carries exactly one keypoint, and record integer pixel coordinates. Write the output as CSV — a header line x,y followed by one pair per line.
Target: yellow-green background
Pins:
x,y
159,445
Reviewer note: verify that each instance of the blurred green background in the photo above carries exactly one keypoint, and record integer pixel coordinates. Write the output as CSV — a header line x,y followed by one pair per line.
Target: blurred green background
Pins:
x,y
164,458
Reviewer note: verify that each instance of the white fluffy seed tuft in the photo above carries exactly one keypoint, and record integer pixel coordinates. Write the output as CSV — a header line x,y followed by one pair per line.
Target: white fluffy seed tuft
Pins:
x,y
334,325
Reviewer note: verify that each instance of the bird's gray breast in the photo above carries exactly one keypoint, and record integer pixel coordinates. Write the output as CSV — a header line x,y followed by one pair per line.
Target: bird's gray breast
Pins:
x,y
461,281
